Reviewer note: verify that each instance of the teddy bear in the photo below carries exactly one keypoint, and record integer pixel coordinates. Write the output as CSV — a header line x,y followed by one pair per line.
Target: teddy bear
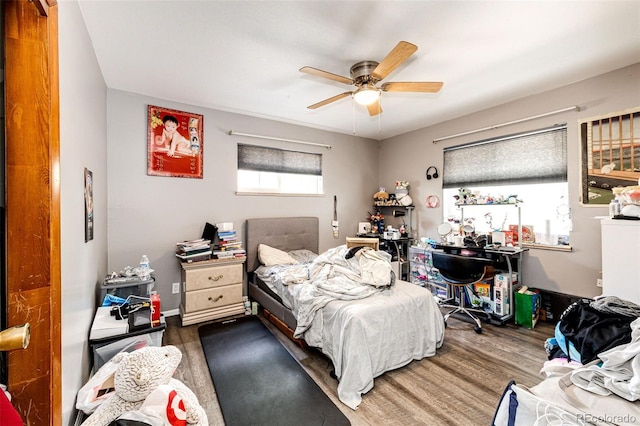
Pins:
x,y
381,195
138,374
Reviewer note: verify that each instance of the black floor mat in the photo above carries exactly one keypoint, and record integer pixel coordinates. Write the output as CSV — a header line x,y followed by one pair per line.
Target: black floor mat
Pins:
x,y
257,380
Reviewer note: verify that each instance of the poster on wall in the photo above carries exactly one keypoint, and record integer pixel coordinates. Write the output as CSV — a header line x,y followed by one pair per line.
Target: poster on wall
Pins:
x,y
610,155
175,144
88,205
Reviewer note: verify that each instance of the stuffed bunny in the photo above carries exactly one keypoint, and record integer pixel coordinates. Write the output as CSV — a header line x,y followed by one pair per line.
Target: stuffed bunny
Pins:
x,y
140,373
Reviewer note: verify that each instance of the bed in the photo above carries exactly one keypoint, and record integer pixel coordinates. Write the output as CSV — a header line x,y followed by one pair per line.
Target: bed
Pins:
x,y
363,337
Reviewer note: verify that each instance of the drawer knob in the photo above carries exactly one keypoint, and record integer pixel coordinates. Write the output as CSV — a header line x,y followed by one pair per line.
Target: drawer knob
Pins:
x,y
216,278
215,299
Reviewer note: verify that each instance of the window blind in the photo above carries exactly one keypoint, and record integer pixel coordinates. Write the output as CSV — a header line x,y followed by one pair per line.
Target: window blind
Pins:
x,y
535,157
265,159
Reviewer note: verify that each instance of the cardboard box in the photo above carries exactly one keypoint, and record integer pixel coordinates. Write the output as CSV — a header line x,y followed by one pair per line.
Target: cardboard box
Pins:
x,y
501,301
483,289
225,226
501,279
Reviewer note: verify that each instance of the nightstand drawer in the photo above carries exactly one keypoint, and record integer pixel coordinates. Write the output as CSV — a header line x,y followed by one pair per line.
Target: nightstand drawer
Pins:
x,y
198,279
213,297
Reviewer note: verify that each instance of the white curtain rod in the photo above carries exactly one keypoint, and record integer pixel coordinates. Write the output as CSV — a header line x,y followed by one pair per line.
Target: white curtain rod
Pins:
x,y
533,117
249,135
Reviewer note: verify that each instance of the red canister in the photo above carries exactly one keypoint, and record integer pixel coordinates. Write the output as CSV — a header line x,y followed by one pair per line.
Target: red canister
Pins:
x,y
155,310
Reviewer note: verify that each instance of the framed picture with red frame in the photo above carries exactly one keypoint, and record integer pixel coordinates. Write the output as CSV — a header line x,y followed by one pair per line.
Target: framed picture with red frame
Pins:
x,y
175,143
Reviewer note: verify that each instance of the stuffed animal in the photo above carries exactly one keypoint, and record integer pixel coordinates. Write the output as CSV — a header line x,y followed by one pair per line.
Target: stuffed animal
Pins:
x,y
138,375
464,196
381,195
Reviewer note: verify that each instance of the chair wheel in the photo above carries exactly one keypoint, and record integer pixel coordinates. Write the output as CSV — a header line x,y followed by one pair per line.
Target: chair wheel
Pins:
x,y
477,329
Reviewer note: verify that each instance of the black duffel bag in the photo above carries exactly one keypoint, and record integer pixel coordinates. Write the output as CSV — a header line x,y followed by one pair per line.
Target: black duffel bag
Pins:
x,y
593,331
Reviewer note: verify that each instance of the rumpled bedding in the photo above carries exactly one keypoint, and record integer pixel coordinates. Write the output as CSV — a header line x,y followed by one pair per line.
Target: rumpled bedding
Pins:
x,y
357,314
333,275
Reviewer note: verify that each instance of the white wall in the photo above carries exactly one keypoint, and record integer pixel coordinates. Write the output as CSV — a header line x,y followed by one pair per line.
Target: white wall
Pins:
x,y
408,156
149,214
83,139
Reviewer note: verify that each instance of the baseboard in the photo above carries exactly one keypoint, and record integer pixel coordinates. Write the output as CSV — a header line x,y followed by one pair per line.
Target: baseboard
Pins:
x,y
171,313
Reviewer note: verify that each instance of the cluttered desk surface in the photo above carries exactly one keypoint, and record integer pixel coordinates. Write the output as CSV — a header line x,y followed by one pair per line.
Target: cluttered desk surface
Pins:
x,y
481,251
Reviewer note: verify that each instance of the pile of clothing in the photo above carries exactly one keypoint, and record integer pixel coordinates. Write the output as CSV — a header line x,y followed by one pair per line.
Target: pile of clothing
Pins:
x,y
601,339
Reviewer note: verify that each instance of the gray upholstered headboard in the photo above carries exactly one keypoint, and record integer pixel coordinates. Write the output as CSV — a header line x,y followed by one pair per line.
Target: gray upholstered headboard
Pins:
x,y
284,233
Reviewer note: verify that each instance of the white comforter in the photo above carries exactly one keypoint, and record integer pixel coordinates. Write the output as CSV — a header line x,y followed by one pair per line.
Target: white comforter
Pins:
x,y
363,326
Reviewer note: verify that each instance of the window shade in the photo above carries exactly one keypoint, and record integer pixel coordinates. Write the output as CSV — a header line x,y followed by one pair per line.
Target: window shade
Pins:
x,y
534,157
264,159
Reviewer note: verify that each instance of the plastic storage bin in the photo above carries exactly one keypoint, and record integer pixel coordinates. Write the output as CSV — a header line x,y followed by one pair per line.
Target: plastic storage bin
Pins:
x,y
422,272
132,286
105,349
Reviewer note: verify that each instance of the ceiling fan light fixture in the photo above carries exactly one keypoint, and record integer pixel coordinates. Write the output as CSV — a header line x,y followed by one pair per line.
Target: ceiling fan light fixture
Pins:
x,y
366,95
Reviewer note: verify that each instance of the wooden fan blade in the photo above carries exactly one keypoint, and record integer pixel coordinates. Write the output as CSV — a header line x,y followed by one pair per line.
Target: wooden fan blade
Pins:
x,y
326,74
374,108
412,86
397,56
328,101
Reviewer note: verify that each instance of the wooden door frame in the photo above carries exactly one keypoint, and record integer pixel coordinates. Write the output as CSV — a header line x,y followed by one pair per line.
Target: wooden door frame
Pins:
x,y
32,201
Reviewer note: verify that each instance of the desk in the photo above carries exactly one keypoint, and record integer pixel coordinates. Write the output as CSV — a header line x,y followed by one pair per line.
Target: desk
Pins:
x,y
504,257
507,259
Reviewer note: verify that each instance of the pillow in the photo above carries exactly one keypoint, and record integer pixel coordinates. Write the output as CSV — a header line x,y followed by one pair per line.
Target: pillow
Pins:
x,y
270,256
303,255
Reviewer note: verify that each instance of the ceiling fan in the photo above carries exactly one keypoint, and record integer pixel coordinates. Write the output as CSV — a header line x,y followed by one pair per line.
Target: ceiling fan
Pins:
x,y
366,74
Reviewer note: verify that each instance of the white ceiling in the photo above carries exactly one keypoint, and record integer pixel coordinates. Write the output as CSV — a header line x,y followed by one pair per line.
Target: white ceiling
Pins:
x,y
244,56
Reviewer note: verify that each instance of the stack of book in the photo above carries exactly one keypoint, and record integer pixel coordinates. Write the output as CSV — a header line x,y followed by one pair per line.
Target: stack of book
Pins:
x,y
228,245
194,250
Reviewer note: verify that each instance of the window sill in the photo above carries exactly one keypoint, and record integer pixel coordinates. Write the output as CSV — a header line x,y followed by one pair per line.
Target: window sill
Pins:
x,y
546,247
278,194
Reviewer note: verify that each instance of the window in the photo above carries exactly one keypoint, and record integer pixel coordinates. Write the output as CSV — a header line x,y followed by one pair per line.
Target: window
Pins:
x,y
610,155
265,170
531,167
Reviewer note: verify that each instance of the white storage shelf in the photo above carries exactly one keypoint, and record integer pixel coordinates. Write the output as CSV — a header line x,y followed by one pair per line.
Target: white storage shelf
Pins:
x,y
620,259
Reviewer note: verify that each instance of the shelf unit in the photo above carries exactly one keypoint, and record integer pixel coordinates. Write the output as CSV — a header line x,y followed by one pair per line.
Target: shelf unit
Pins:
x,y
409,210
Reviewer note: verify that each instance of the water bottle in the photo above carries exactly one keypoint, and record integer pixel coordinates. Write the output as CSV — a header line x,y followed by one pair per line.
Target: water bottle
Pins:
x,y
614,208
144,268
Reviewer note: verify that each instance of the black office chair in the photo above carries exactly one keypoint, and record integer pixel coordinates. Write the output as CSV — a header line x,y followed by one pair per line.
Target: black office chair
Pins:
x,y
462,272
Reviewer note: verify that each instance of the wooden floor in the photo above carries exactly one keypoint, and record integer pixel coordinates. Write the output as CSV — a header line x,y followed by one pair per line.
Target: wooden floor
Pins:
x,y
460,385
